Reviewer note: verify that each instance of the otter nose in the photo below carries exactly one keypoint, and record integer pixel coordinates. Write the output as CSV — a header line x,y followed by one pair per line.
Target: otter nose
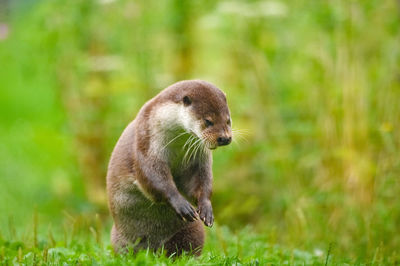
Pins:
x,y
224,141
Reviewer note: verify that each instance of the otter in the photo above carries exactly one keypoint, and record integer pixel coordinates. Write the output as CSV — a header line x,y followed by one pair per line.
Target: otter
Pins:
x,y
160,169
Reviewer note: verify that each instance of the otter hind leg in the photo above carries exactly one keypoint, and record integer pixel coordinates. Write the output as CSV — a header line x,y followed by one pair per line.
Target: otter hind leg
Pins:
x,y
122,245
118,242
190,239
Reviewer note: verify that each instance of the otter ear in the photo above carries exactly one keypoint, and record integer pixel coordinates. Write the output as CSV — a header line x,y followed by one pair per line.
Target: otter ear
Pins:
x,y
187,101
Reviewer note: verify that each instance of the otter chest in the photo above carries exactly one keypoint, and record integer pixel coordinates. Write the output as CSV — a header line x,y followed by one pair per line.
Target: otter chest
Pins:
x,y
184,157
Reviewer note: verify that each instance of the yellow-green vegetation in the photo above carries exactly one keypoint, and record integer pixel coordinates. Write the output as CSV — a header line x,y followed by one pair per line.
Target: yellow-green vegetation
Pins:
x,y
314,89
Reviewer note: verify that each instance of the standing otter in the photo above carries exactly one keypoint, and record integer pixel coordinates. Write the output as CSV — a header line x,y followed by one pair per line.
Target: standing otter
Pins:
x,y
161,165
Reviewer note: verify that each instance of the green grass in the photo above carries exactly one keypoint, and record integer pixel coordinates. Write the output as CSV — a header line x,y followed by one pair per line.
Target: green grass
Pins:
x,y
84,241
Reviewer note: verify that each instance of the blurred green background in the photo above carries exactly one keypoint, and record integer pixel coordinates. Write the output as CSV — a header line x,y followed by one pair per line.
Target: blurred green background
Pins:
x,y
315,86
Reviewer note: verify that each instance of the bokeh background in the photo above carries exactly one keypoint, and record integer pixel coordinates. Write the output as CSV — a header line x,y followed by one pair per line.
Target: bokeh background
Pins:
x,y
313,85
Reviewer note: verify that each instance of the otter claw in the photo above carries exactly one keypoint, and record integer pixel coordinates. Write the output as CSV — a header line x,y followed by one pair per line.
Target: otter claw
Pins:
x,y
206,214
184,210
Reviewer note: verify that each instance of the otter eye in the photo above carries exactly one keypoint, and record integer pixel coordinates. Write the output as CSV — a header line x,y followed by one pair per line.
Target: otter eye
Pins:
x,y
229,122
208,123
187,101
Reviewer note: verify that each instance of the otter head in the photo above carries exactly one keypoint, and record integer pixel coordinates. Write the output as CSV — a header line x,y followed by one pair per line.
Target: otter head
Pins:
x,y
205,112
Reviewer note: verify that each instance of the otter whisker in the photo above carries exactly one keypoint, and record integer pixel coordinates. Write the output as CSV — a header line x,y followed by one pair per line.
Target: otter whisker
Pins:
x,y
239,139
239,135
192,148
201,149
187,144
193,152
188,141
186,147
198,145
185,157
173,140
234,139
241,131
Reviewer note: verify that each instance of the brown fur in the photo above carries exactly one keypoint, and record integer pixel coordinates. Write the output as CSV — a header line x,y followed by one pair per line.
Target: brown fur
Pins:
x,y
150,191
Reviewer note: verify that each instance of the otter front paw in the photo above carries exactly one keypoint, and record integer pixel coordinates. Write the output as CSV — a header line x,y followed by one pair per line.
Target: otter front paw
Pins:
x,y
184,210
206,213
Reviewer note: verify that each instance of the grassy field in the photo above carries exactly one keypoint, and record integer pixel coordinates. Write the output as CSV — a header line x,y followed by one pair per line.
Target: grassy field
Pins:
x,y
314,85
83,243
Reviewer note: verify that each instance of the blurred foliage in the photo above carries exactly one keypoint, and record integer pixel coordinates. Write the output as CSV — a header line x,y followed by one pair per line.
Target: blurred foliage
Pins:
x,y
314,85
